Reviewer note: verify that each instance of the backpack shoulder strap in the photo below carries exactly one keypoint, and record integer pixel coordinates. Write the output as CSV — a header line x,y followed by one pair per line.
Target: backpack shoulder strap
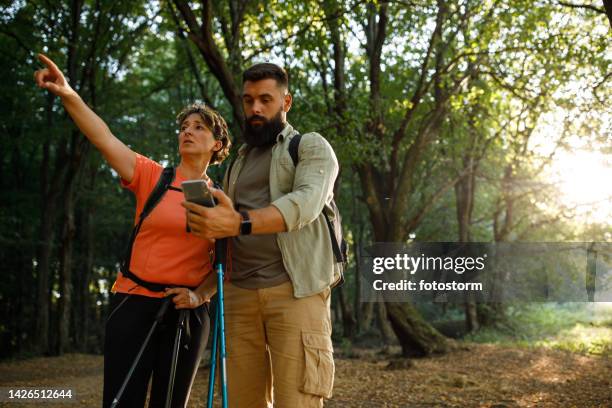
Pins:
x,y
294,147
229,169
163,184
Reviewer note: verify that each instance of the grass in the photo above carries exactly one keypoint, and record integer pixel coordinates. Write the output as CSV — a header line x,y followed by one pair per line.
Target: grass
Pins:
x,y
584,328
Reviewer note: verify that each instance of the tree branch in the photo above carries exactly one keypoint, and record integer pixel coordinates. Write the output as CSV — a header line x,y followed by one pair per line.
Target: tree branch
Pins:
x,y
192,63
17,39
583,6
202,37
414,221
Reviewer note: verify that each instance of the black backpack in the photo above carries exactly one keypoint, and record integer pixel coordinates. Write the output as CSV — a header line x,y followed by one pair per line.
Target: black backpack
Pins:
x,y
339,245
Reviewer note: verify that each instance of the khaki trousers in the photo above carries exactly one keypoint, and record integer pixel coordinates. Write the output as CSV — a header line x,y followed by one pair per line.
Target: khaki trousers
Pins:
x,y
279,349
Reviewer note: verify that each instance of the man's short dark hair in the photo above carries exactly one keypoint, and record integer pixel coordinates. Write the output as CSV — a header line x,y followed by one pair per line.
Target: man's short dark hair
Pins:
x,y
266,70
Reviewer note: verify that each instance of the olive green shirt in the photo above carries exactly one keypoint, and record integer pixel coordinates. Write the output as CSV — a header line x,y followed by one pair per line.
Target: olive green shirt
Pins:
x,y
257,261
301,193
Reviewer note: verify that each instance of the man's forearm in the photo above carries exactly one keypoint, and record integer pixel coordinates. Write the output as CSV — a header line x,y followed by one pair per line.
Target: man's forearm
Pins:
x,y
267,220
224,221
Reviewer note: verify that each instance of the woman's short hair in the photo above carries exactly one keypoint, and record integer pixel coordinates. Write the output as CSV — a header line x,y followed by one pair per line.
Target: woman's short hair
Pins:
x,y
215,123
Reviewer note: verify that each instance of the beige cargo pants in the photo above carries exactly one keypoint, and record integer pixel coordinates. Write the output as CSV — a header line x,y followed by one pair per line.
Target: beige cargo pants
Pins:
x,y
279,349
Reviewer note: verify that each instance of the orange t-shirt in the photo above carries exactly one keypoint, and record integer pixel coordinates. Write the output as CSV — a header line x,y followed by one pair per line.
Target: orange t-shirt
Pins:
x,y
163,252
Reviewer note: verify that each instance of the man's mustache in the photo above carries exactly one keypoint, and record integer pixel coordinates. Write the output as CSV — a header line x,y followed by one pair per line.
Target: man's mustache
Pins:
x,y
256,117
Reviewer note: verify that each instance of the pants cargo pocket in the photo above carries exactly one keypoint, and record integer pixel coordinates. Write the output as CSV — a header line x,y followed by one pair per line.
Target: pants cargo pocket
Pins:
x,y
318,364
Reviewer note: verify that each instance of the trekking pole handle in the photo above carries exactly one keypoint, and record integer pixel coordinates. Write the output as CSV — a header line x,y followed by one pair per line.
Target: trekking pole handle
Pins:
x,y
220,251
164,308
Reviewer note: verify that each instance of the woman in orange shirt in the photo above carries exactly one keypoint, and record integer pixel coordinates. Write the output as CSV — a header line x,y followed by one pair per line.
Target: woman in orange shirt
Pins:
x,y
163,252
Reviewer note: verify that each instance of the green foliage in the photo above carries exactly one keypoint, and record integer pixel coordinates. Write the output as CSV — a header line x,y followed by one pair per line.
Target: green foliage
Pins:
x,y
584,328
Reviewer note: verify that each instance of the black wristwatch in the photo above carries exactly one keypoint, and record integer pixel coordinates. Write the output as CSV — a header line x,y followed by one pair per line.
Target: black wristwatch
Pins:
x,y
245,224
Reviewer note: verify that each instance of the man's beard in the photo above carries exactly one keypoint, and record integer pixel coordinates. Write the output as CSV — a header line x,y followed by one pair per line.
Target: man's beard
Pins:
x,y
264,134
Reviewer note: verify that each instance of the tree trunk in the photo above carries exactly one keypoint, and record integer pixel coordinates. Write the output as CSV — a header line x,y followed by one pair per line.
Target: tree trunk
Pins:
x,y
49,191
464,197
85,279
357,293
348,319
65,301
417,337
42,271
388,188
471,315
367,313
82,298
79,148
384,325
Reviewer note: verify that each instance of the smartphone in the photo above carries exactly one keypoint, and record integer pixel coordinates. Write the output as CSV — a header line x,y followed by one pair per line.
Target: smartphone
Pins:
x,y
197,191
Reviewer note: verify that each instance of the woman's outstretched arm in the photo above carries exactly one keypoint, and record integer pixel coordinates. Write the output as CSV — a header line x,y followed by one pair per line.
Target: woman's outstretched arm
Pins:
x,y
120,157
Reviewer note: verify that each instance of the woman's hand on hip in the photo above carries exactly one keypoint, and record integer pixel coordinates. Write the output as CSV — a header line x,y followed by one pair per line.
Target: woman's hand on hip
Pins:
x,y
185,298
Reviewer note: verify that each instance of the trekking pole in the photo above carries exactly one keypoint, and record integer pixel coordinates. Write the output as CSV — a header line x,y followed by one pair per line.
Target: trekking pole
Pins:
x,y
183,313
213,360
219,330
160,314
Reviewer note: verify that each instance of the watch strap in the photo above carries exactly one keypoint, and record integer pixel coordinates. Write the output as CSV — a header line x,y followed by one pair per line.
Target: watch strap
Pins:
x,y
245,224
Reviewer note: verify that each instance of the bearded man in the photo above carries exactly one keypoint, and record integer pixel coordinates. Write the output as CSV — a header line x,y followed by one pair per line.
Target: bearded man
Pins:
x,y
277,300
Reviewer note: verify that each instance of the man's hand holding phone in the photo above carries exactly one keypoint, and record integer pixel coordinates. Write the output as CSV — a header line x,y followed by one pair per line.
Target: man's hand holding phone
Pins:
x,y
204,218
197,191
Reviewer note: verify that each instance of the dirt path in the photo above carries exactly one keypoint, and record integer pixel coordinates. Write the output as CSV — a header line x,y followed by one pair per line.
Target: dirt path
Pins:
x,y
477,376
